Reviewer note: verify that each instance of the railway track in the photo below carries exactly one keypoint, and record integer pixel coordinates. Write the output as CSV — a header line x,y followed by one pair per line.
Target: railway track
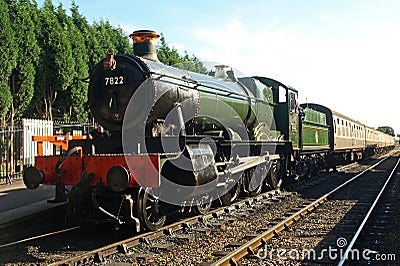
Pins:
x,y
141,247
49,249
273,246
372,235
156,247
222,224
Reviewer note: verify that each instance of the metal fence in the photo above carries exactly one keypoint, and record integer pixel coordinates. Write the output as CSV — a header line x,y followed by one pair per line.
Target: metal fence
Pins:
x,y
17,150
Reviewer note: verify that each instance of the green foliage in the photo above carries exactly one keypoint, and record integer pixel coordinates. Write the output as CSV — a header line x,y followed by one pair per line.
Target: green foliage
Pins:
x,y
192,63
121,41
23,76
166,55
386,129
72,105
110,39
103,33
8,52
88,33
47,53
5,97
56,62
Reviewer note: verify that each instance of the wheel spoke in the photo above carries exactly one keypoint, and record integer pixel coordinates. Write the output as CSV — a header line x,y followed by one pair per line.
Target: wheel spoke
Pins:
x,y
150,211
151,199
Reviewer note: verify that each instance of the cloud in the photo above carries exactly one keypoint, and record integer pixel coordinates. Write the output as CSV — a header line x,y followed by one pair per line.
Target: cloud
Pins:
x,y
229,37
257,50
351,73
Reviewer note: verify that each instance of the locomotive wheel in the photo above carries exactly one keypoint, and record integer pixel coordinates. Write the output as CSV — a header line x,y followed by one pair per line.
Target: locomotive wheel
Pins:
x,y
274,179
232,195
149,210
203,204
249,176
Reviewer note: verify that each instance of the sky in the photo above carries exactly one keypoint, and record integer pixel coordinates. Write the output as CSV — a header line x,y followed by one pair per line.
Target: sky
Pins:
x,y
343,54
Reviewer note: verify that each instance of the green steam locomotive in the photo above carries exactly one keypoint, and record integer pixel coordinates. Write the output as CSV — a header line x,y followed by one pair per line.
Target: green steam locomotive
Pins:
x,y
180,140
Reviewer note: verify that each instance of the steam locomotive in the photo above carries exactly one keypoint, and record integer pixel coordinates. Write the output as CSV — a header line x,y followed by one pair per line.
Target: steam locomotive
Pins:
x,y
179,140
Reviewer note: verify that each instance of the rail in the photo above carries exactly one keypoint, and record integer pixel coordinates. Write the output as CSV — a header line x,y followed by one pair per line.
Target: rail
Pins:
x,y
39,237
248,248
361,227
98,255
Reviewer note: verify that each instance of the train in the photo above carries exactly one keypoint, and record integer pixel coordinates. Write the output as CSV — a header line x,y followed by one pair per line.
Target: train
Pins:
x,y
178,141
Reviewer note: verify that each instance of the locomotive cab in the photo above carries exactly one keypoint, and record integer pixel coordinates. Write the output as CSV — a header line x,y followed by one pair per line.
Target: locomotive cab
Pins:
x,y
286,113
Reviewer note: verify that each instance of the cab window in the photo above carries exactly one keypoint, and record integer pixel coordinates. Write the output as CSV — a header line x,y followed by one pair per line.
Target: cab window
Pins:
x,y
264,92
282,94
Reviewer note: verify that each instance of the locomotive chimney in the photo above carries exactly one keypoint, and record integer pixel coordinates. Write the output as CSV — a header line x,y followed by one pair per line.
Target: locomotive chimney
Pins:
x,y
144,44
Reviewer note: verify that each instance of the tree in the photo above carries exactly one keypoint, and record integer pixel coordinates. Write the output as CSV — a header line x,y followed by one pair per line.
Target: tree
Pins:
x,y
23,75
166,55
192,63
46,55
88,33
386,129
56,61
72,105
8,52
104,34
121,41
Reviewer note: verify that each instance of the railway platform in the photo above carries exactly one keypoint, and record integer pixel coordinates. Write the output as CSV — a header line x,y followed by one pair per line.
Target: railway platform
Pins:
x,y
17,202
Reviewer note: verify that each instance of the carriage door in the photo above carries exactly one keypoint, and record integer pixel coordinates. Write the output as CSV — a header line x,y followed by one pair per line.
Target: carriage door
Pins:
x,y
294,129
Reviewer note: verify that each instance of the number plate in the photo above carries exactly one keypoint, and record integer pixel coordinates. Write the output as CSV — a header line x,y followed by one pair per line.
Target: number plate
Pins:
x,y
114,81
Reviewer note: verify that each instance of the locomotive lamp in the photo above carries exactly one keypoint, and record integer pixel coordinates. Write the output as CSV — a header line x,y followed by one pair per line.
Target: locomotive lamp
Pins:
x,y
144,44
109,63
